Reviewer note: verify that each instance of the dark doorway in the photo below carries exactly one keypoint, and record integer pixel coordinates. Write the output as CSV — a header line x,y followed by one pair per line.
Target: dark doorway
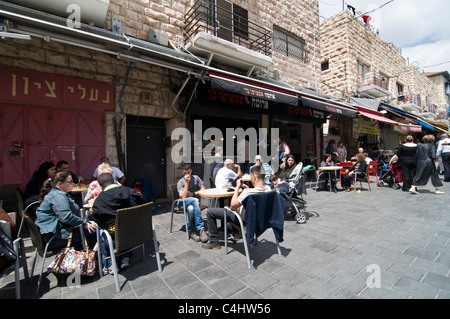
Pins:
x,y
146,152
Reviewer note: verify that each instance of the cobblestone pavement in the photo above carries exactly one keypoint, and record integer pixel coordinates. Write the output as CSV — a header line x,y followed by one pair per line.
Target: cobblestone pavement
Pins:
x,y
385,237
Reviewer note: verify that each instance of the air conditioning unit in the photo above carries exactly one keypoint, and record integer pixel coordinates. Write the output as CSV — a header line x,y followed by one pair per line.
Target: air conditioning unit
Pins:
x,y
158,37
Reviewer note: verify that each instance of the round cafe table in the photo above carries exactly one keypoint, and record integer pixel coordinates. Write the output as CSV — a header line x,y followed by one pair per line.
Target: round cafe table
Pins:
x,y
216,193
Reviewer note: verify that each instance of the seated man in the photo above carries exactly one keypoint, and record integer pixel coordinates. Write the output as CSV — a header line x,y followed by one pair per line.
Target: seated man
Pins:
x,y
188,187
257,175
112,198
267,167
226,175
360,151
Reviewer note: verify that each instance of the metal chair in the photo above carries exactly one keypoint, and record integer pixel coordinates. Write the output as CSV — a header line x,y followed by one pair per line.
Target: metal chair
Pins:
x,y
19,251
175,210
133,228
30,210
362,177
259,217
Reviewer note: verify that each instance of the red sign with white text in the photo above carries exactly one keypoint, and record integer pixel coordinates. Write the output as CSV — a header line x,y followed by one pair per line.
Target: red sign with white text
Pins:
x,y
41,88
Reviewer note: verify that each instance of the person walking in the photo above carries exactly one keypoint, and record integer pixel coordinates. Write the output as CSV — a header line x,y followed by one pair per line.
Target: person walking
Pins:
x,y
425,166
443,151
406,155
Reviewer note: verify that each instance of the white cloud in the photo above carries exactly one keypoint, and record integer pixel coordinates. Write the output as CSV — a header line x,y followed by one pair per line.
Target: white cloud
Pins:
x,y
432,57
419,28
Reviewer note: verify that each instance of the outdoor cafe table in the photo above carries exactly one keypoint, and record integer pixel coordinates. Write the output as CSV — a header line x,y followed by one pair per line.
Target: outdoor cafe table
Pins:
x,y
216,193
329,169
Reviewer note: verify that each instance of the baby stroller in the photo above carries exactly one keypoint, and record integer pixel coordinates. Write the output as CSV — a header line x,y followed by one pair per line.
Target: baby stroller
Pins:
x,y
294,194
391,175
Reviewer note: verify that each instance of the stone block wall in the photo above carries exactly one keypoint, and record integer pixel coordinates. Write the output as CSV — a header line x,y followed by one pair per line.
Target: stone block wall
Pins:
x,y
345,41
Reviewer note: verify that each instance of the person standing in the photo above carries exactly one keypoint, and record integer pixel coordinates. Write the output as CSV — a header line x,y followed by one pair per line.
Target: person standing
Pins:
x,y
425,166
332,150
342,152
443,151
118,175
406,155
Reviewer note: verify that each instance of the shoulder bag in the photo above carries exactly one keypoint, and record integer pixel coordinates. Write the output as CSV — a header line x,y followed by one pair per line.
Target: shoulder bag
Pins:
x,y
71,260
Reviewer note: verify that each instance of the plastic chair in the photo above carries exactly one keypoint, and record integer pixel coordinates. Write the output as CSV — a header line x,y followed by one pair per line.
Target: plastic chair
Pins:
x,y
133,228
345,166
255,206
19,250
373,169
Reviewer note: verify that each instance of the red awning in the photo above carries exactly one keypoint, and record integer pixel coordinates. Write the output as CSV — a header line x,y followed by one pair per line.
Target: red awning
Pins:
x,y
378,117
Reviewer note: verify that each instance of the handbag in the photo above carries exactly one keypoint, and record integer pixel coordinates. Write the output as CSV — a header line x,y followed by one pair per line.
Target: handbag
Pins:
x,y
71,260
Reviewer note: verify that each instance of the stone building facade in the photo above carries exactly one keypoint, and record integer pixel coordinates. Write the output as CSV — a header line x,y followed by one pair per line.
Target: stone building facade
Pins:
x,y
347,42
145,89
356,62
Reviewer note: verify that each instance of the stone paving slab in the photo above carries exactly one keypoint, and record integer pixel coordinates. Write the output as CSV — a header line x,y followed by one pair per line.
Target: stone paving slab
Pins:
x,y
407,236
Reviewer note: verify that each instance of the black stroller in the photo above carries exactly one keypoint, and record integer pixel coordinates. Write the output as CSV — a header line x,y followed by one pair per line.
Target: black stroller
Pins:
x,y
294,194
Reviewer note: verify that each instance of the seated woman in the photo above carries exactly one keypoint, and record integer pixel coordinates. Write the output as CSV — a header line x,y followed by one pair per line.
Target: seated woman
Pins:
x,y
45,171
58,214
94,188
327,161
358,168
286,172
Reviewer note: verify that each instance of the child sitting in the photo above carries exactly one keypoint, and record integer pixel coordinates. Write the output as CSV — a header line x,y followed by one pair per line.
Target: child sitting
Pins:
x,y
279,185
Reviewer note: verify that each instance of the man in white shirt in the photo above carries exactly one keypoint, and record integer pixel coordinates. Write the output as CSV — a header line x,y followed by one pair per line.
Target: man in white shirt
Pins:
x,y
226,175
443,151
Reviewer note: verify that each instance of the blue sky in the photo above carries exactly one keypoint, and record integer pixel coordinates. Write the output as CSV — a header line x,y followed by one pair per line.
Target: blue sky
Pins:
x,y
421,29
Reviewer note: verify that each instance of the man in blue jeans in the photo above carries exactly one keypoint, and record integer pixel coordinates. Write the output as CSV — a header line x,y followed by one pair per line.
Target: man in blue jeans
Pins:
x,y
188,187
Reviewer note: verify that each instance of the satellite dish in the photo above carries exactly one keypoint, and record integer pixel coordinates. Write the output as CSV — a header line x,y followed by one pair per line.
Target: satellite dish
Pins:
x,y
416,65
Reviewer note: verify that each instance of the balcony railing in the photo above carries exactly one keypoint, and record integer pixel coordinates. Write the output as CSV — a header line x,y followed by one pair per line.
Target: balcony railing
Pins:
x,y
379,80
229,24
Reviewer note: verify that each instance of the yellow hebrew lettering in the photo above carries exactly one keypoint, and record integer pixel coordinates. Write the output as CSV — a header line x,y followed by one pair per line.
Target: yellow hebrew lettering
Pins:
x,y
14,84
107,98
92,98
51,88
38,85
71,89
82,89
26,81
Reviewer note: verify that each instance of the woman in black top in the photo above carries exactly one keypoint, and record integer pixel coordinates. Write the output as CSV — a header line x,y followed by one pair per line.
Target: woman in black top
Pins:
x,y
406,155
358,168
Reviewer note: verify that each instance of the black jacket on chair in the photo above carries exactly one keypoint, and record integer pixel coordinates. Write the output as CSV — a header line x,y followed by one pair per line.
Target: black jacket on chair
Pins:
x,y
263,211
